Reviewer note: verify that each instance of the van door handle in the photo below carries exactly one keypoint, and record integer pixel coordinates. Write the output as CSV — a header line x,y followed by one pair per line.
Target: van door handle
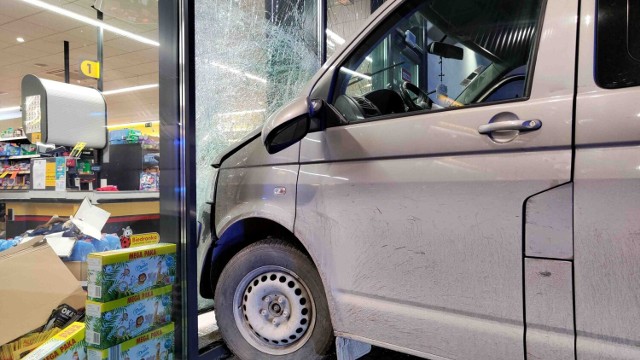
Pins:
x,y
520,125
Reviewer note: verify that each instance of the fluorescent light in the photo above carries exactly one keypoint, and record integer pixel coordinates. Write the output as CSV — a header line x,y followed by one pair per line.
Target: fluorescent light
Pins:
x,y
20,39
45,145
241,112
90,21
355,73
335,37
239,72
130,89
9,113
9,109
132,124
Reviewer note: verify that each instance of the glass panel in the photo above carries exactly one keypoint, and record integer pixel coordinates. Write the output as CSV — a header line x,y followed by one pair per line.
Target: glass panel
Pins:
x,y
79,165
257,60
617,49
428,56
345,18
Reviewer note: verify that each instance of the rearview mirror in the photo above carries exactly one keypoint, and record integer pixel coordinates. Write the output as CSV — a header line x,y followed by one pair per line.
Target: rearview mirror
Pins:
x,y
446,50
287,126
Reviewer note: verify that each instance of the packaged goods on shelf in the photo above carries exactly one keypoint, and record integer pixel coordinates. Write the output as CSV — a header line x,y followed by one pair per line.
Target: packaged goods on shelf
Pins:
x,y
117,321
33,282
149,181
124,136
118,273
156,344
10,149
68,344
28,149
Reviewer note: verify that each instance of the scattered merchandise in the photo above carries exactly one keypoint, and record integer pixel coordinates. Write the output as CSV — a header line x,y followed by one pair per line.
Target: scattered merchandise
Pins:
x,y
33,281
86,245
62,316
8,244
119,273
156,344
68,344
117,321
17,349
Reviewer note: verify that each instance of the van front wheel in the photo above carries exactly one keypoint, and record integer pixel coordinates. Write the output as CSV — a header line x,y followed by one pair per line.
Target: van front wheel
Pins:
x,y
270,304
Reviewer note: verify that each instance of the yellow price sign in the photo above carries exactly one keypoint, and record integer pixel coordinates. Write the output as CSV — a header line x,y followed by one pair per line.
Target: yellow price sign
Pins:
x,y
36,137
144,239
50,174
90,68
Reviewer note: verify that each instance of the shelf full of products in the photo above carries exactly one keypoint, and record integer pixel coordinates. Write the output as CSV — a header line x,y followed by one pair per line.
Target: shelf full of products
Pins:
x,y
15,162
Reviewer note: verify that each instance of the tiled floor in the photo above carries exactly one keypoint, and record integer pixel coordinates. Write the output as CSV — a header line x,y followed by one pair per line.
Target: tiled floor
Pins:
x,y
207,333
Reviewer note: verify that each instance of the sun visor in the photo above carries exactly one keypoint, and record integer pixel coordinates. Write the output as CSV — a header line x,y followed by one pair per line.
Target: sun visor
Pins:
x,y
63,114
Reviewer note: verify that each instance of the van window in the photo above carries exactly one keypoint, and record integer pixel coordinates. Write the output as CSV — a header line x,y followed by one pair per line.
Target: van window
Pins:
x,y
633,29
618,44
439,54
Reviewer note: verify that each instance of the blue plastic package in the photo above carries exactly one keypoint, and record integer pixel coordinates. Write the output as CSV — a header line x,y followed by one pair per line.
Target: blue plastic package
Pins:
x,y
113,240
7,244
80,251
99,245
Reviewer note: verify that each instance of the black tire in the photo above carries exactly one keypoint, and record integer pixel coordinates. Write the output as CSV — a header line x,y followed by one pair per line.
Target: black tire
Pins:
x,y
265,253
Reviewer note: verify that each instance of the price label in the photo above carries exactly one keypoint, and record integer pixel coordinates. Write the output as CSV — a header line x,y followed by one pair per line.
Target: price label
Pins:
x,y
36,137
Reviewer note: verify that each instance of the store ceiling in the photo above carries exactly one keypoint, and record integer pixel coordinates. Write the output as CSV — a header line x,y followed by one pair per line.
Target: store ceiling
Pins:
x,y
127,62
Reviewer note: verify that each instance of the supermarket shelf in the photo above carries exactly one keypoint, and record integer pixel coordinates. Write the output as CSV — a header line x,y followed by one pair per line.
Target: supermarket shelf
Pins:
x,y
12,171
14,187
95,197
18,157
17,138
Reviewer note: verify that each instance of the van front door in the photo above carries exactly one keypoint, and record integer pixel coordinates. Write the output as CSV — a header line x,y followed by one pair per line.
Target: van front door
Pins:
x,y
413,206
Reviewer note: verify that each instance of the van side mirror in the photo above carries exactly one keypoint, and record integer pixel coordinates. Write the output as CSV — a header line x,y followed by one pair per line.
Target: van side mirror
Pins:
x,y
447,51
286,126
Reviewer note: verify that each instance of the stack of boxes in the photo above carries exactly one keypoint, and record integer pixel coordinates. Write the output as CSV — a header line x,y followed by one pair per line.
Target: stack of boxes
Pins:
x,y
128,313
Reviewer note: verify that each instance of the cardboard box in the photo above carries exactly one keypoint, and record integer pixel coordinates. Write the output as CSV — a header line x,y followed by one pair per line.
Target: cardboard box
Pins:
x,y
156,344
78,269
119,273
33,282
68,344
117,321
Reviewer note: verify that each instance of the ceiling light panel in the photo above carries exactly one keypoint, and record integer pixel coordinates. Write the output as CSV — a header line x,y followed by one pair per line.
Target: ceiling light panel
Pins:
x,y
90,21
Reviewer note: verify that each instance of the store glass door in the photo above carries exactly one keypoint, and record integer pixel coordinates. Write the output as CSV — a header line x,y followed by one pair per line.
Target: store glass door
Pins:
x,y
92,177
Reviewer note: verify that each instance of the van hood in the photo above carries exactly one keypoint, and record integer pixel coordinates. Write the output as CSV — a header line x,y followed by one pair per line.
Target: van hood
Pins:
x,y
230,150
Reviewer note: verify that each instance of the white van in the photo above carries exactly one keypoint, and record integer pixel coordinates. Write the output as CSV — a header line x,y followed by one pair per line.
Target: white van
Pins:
x,y
460,181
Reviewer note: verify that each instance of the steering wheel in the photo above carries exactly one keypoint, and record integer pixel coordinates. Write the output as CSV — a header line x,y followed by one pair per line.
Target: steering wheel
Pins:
x,y
423,102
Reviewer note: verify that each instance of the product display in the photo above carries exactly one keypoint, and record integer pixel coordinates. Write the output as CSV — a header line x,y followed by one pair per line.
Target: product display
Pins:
x,y
68,344
157,344
118,273
17,349
117,321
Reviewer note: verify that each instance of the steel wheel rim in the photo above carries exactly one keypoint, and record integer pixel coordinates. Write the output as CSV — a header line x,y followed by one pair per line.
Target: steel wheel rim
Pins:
x,y
273,293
